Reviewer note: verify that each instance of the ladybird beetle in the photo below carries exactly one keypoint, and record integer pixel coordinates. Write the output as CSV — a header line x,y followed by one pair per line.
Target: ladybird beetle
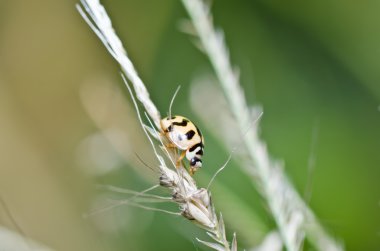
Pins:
x,y
184,135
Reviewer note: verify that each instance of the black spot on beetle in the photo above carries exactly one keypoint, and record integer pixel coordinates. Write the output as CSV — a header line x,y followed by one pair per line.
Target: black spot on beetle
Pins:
x,y
192,149
200,152
170,128
190,134
183,123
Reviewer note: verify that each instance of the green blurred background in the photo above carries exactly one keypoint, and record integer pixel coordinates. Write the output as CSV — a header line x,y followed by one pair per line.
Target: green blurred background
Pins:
x,y
66,123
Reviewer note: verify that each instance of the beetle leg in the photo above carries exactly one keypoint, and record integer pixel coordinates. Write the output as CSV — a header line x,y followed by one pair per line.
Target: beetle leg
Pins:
x,y
171,145
183,154
192,171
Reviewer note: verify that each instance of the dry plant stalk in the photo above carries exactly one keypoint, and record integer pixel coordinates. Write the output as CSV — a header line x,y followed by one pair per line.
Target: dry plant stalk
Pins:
x,y
293,217
194,203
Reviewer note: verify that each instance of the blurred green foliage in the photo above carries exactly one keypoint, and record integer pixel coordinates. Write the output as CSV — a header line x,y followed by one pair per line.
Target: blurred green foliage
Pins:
x,y
312,65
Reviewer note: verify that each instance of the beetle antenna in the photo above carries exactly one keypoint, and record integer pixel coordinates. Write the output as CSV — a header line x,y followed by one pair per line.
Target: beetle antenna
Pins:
x,y
172,101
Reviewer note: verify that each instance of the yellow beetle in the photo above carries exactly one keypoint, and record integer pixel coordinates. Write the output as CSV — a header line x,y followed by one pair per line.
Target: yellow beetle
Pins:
x,y
186,136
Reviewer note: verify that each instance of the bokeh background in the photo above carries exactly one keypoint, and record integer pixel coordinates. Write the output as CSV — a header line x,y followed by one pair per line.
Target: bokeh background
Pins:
x,y
67,124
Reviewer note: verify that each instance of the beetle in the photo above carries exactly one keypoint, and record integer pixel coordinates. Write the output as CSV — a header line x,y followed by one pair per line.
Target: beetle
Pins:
x,y
184,135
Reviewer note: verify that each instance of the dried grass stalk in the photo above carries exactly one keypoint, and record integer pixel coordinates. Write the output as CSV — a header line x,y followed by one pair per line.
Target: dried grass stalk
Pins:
x,y
293,217
194,203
